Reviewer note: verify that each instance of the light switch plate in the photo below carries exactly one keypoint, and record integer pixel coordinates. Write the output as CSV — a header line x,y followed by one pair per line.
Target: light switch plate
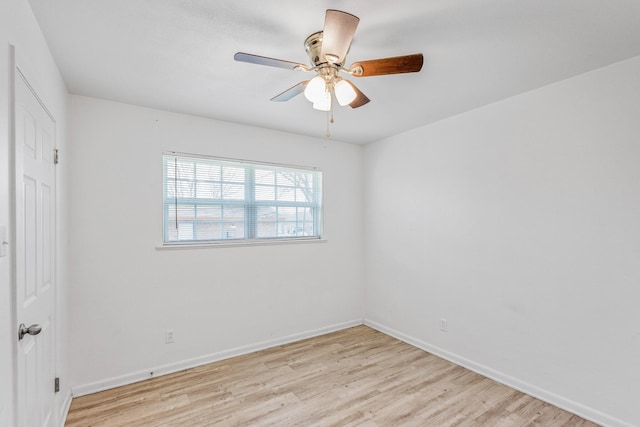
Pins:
x,y
4,243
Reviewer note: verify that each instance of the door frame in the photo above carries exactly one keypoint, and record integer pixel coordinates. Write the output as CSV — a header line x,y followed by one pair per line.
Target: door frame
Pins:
x,y
20,69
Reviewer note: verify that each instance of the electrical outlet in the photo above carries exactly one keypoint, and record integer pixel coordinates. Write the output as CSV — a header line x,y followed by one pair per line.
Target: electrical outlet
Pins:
x,y
169,338
444,325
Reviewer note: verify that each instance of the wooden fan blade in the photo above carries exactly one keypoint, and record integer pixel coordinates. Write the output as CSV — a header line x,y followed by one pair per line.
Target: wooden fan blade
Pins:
x,y
339,28
271,62
361,98
291,92
395,65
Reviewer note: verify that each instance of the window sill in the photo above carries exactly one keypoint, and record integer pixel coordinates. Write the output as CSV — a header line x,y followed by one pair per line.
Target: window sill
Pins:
x,y
228,244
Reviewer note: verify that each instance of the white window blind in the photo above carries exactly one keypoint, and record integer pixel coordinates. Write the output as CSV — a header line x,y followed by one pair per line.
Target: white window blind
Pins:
x,y
214,199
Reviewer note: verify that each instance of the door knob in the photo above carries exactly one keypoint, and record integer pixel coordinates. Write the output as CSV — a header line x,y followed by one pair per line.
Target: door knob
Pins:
x,y
31,330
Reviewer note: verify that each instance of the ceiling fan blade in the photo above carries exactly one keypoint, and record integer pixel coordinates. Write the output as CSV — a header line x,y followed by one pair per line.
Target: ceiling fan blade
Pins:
x,y
291,92
395,65
360,99
339,28
271,62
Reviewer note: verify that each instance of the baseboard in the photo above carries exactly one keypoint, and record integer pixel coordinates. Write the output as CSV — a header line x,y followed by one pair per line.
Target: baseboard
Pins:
x,y
170,368
527,388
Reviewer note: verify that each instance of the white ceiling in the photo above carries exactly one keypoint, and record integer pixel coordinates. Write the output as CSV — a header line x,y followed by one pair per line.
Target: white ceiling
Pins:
x,y
177,55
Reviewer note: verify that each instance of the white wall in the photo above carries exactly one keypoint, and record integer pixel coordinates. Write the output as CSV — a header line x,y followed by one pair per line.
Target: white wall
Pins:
x,y
219,301
19,28
519,223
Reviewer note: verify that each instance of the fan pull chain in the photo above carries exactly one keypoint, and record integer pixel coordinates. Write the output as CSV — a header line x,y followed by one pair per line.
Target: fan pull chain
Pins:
x,y
328,134
329,118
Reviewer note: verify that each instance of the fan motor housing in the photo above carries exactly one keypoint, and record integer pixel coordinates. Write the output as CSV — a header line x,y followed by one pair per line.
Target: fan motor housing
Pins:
x,y
313,46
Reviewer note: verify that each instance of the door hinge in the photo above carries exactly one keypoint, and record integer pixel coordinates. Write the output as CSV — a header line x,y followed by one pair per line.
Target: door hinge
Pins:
x,y
56,156
56,385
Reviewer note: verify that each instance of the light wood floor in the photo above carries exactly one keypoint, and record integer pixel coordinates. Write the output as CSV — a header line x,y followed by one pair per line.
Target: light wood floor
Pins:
x,y
355,377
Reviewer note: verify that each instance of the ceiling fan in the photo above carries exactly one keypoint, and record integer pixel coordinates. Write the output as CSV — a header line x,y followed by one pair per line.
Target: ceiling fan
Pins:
x,y
327,50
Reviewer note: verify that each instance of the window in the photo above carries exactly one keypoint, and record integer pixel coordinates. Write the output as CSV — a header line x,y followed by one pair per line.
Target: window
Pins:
x,y
210,199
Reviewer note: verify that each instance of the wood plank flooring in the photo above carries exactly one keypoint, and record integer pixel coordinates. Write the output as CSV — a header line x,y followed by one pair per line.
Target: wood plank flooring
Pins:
x,y
354,377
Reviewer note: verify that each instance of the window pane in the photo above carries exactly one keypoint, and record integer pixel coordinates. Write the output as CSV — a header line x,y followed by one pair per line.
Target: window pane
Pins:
x,y
233,213
306,229
210,212
207,171
305,214
232,192
234,223
170,188
285,194
265,176
305,180
265,193
209,230
207,190
169,166
232,174
287,214
266,212
233,231
266,230
303,196
266,222
185,231
185,170
171,234
186,189
286,178
186,212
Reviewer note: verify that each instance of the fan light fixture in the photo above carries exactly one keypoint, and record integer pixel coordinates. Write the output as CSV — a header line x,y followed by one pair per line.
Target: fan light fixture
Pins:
x,y
324,102
315,89
320,89
345,94
327,51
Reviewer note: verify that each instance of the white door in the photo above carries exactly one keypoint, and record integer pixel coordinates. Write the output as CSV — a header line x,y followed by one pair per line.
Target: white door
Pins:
x,y
35,256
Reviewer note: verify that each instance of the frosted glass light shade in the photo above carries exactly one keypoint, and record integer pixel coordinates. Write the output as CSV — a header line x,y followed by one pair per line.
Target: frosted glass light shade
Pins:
x,y
315,89
324,103
344,93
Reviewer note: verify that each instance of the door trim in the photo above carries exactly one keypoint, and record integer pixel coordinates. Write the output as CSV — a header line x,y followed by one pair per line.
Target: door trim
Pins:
x,y
12,228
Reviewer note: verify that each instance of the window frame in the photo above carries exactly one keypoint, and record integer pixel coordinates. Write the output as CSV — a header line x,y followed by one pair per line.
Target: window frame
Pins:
x,y
249,204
